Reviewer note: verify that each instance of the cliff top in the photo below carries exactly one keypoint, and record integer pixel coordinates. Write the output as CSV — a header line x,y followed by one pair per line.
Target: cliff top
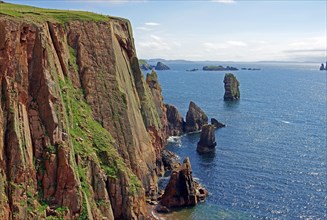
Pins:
x,y
34,14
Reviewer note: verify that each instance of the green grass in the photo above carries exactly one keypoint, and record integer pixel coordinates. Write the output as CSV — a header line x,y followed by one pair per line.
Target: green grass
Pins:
x,y
135,184
34,14
141,62
88,137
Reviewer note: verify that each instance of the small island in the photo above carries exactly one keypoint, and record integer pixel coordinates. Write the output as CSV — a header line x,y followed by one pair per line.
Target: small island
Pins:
x,y
161,66
219,68
322,67
253,69
192,70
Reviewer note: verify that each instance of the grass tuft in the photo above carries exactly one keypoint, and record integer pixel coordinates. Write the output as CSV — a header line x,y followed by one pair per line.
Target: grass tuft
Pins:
x,y
33,14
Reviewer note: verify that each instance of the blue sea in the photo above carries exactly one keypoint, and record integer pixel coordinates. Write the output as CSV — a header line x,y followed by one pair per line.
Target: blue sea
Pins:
x,y
271,159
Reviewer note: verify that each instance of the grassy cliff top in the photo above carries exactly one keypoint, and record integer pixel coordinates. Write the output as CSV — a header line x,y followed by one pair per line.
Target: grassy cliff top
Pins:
x,y
34,14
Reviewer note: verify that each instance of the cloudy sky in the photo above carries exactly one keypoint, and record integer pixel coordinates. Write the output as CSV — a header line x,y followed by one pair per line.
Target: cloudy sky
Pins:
x,y
226,30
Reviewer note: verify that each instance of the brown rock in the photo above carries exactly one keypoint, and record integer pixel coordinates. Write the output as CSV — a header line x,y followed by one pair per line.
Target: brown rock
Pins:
x,y
170,160
232,91
216,123
38,153
207,141
175,121
195,118
181,189
162,209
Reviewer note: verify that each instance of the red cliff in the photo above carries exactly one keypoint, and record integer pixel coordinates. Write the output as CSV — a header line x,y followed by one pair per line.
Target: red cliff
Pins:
x,y
81,131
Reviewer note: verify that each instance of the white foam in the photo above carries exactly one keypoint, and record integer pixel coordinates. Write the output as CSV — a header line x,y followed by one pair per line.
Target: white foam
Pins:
x,y
286,122
175,140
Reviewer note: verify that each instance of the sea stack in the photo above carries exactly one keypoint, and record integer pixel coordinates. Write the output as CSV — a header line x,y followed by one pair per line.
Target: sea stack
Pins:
x,y
207,141
161,66
175,121
195,118
182,190
322,67
232,91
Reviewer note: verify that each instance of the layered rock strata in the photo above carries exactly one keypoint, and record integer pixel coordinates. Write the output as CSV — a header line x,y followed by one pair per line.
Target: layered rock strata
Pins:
x,y
81,132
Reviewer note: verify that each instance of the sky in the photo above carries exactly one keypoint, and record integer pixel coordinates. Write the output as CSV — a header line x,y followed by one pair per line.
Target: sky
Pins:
x,y
217,30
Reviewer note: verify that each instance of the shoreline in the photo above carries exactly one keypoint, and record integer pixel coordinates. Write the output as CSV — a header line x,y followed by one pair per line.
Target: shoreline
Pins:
x,y
154,215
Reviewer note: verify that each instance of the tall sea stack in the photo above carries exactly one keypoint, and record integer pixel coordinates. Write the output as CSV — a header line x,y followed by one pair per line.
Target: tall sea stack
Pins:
x,y
232,91
195,118
207,141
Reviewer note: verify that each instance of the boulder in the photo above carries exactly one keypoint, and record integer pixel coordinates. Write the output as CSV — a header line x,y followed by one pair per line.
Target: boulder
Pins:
x,y
162,209
207,141
232,91
216,123
195,118
181,189
175,121
161,66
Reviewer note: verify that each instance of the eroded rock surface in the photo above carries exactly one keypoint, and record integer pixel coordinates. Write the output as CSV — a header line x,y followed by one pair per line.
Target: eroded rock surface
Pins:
x,y
81,130
232,91
182,190
195,118
207,141
216,123
175,121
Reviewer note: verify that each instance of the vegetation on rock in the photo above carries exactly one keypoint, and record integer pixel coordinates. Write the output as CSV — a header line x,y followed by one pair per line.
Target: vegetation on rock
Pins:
x,y
34,14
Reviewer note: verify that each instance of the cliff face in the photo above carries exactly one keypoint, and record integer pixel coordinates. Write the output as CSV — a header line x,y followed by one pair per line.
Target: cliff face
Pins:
x,y
79,127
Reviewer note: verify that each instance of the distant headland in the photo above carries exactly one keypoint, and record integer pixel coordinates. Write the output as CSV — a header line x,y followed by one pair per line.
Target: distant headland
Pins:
x,y
144,65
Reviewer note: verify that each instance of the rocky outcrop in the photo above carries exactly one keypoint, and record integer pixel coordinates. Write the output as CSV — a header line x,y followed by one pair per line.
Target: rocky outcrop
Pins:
x,y
216,123
322,67
81,131
182,190
207,141
144,65
175,121
195,118
170,160
232,91
161,66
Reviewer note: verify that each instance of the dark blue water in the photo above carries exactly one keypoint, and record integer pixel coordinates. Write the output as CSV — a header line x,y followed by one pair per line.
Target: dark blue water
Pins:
x,y
271,159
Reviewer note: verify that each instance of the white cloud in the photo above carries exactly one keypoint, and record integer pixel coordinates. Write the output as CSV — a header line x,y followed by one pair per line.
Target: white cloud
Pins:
x,y
228,44
152,24
214,46
312,42
225,1
143,28
154,42
237,43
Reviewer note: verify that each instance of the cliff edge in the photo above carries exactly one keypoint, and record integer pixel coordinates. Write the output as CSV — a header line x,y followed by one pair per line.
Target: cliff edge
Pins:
x,y
80,129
